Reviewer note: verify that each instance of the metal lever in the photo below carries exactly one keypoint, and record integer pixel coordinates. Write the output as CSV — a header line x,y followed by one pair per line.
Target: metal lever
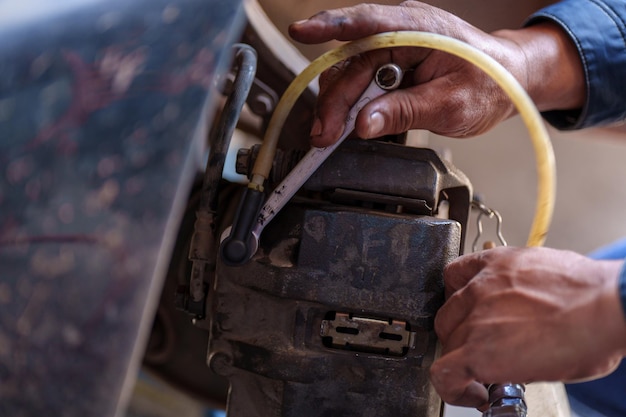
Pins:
x,y
236,250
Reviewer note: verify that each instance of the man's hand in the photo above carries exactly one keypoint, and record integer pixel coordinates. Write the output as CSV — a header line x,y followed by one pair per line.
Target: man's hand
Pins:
x,y
524,315
443,93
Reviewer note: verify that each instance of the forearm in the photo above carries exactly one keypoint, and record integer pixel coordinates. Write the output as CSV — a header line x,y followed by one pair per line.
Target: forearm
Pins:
x,y
597,29
552,71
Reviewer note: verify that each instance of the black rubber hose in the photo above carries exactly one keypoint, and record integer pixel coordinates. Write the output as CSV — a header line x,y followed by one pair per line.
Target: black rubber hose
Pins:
x,y
219,141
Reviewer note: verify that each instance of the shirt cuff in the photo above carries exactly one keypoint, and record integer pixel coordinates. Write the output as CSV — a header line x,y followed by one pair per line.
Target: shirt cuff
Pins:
x,y
598,29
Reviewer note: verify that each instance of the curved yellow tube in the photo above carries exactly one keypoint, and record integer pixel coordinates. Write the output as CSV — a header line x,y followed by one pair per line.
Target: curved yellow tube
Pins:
x,y
546,172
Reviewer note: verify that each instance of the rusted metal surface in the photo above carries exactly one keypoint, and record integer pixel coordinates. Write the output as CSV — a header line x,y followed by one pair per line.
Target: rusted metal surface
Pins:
x,y
374,173
103,105
268,315
350,332
334,313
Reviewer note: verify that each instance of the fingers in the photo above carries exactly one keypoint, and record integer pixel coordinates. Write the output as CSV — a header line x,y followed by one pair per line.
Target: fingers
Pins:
x,y
449,97
460,271
445,103
367,19
456,383
350,23
350,78
419,107
452,376
453,379
449,317
465,288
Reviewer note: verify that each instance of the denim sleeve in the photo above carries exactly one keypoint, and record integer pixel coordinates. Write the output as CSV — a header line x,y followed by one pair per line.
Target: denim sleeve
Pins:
x,y
615,250
622,287
598,29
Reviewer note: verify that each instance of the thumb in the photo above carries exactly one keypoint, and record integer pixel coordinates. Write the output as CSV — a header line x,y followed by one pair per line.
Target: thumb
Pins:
x,y
434,106
456,384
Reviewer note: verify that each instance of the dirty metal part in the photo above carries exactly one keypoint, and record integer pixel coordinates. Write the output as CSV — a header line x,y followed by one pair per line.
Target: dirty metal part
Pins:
x,y
219,140
238,244
388,77
191,297
372,166
506,400
359,166
176,348
284,161
315,259
483,210
320,257
363,334
383,202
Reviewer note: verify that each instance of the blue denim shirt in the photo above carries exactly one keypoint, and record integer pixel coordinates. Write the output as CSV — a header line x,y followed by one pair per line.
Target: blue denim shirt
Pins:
x,y
598,29
604,396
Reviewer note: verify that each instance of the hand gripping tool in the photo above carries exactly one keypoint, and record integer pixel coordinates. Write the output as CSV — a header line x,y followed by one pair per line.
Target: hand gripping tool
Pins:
x,y
242,238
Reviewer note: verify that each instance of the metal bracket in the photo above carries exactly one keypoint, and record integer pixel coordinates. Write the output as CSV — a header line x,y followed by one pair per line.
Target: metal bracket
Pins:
x,y
368,335
490,213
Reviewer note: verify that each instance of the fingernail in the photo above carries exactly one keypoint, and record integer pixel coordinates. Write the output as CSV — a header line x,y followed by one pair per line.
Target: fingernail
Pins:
x,y
316,129
375,124
299,22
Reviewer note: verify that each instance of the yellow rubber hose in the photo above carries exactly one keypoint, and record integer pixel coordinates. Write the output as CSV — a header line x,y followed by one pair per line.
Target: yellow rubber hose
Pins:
x,y
544,154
